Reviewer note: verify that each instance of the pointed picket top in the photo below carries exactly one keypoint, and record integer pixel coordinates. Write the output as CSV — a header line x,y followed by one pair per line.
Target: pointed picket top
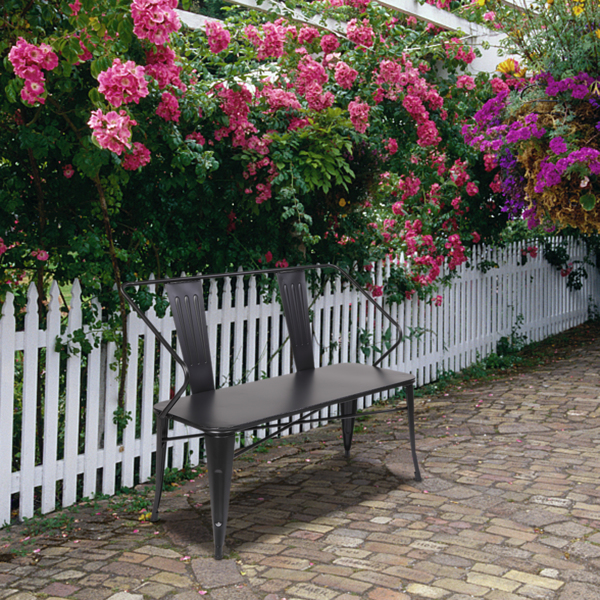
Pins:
x,y
54,303
213,302
32,295
8,306
32,318
75,295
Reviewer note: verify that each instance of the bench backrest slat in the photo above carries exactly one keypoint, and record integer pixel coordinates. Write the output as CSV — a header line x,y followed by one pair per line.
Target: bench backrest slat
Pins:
x,y
294,298
187,304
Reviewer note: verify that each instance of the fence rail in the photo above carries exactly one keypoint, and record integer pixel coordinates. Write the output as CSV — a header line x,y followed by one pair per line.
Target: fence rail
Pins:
x,y
57,435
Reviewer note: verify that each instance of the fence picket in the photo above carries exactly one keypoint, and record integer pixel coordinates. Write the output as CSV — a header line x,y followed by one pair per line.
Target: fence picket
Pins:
x,y
30,400
7,391
49,456
72,403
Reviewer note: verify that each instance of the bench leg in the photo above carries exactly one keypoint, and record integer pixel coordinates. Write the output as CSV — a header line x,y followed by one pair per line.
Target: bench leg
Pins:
x,y
348,408
161,453
410,409
219,459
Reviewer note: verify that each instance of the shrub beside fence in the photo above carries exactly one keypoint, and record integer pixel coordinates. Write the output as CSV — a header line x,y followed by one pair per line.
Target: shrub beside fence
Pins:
x,y
57,435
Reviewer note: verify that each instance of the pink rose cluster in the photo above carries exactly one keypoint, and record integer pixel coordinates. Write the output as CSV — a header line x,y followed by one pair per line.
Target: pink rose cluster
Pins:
x,y
218,36
123,83
397,78
345,76
113,130
329,43
3,247
40,255
168,107
455,48
273,40
138,157
160,64
307,35
457,251
310,78
360,33
421,250
28,61
154,20
278,98
359,114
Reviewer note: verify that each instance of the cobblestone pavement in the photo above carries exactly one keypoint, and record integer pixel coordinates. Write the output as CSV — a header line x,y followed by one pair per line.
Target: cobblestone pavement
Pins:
x,y
509,508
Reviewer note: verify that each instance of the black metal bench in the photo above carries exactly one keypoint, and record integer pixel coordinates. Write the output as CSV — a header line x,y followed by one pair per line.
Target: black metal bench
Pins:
x,y
222,413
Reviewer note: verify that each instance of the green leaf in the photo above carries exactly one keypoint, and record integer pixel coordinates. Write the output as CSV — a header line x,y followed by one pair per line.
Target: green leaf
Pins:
x,y
125,29
11,90
588,201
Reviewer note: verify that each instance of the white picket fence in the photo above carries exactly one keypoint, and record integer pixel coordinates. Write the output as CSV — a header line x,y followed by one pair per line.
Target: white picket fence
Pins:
x,y
78,445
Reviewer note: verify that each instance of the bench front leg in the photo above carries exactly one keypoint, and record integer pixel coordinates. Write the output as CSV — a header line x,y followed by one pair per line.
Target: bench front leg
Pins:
x,y
219,459
162,427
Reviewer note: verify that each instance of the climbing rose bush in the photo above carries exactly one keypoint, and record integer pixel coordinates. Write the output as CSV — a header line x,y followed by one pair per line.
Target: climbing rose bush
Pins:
x,y
150,148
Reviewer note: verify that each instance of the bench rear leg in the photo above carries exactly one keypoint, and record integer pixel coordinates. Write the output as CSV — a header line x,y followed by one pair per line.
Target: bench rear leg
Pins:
x,y
410,409
348,408
161,452
219,459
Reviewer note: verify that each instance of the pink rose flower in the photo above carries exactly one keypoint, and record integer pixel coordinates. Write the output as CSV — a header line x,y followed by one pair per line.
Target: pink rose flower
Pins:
x,y
112,131
154,20
218,36
168,107
123,83
359,114
139,157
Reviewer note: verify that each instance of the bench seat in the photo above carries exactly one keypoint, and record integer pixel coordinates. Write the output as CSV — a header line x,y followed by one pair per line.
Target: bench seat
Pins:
x,y
242,407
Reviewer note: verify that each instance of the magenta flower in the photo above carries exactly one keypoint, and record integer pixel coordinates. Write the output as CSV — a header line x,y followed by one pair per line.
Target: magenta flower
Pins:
x,y
392,146
28,61
329,43
359,114
113,130
68,171
168,107
218,36
123,83
139,157
361,35
345,76
306,35
472,189
558,145
197,137
154,20
160,64
75,8
465,81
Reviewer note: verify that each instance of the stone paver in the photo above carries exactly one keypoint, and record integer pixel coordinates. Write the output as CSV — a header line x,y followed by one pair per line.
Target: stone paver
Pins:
x,y
508,509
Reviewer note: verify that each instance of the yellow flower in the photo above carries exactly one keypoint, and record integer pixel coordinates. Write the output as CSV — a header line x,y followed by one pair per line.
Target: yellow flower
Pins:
x,y
481,2
342,202
598,33
577,10
510,65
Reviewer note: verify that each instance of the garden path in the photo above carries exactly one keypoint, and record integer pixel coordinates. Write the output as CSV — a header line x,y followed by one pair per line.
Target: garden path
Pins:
x,y
509,509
